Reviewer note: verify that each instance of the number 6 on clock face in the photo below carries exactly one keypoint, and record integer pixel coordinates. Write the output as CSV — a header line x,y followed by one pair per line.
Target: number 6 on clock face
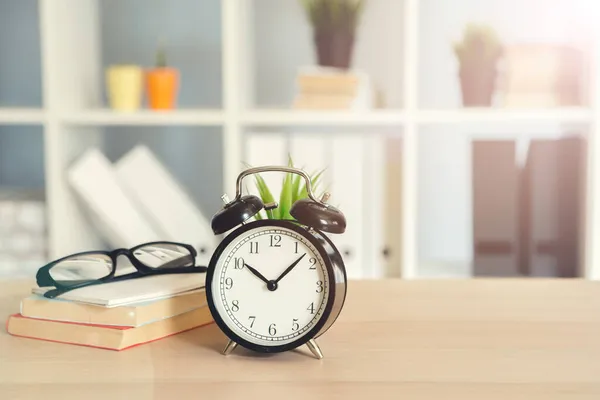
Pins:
x,y
273,285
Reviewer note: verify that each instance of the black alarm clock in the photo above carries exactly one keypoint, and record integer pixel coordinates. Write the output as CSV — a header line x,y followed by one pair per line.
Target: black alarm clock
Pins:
x,y
274,285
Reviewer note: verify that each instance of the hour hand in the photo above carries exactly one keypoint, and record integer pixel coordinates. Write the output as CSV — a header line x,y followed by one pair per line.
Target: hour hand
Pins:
x,y
258,274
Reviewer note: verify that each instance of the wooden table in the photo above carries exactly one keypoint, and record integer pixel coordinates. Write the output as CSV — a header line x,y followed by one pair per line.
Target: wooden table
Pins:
x,y
473,339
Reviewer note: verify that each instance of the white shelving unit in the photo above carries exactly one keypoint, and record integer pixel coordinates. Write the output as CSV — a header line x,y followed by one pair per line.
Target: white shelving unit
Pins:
x,y
106,117
72,79
21,116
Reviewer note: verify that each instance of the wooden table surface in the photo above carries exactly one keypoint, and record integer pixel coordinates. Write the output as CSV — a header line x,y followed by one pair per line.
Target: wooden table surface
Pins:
x,y
472,339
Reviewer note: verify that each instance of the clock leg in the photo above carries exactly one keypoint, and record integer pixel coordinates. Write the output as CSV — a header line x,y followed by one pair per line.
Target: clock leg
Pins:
x,y
231,345
314,348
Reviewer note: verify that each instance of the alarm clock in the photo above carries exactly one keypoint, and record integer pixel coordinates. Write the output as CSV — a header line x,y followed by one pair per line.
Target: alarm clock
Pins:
x,y
273,285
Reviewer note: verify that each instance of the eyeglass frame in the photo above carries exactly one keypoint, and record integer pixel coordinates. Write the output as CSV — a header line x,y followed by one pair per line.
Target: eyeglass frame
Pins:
x,y
44,278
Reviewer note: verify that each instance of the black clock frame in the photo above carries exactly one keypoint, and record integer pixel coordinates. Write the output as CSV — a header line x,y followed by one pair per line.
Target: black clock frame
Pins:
x,y
334,266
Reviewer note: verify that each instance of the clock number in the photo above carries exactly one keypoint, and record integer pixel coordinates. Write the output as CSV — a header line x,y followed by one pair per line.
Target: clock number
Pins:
x,y
319,286
295,325
296,247
253,247
239,263
312,262
272,330
228,283
311,308
235,306
252,318
275,241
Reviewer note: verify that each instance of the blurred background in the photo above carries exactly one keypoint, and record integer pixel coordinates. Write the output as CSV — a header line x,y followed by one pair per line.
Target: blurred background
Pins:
x,y
456,136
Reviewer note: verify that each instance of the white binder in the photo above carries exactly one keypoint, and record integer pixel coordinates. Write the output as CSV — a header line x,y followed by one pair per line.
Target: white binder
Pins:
x,y
347,188
116,217
342,160
164,202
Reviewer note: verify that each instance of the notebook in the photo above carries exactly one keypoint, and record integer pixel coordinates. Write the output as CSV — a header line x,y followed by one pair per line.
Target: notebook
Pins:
x,y
133,290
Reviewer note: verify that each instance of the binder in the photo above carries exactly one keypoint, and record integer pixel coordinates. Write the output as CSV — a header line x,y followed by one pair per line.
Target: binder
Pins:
x,y
540,210
495,208
390,215
348,185
118,220
164,202
553,207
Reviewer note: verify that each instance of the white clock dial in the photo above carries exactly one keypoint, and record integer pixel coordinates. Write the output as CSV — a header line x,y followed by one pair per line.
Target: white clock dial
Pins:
x,y
270,286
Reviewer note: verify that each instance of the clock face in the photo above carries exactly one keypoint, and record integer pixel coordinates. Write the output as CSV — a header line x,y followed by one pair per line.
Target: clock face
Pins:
x,y
270,285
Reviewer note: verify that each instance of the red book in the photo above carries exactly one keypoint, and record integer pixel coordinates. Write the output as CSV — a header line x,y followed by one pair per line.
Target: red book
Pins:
x,y
106,336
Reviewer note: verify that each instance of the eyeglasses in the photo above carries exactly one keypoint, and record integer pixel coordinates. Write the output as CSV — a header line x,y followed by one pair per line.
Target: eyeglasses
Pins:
x,y
97,267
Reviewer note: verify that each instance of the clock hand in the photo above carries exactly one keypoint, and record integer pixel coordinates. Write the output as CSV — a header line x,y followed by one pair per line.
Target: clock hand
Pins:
x,y
258,274
291,267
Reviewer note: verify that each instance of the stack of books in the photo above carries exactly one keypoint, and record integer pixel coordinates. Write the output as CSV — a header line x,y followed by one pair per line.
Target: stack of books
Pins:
x,y
542,75
325,88
115,316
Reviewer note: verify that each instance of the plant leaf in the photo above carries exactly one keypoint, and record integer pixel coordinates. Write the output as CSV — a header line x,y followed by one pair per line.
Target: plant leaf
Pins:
x,y
286,197
314,183
315,180
296,187
266,195
296,180
285,202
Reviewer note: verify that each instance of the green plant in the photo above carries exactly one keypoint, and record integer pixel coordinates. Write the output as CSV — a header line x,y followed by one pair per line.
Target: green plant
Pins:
x,y
161,56
293,189
334,15
479,46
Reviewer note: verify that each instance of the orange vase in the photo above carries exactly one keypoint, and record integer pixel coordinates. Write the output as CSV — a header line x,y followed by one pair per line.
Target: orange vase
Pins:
x,y
162,86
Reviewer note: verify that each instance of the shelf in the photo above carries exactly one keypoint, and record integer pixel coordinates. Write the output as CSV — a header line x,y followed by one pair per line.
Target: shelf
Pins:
x,y
324,118
104,117
21,116
399,117
490,115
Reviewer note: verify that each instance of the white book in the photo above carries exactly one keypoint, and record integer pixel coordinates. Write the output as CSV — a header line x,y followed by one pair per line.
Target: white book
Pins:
x,y
115,216
133,291
362,99
164,202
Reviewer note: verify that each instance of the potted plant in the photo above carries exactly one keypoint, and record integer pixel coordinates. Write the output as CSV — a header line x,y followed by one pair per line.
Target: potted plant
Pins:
x,y
293,189
478,53
124,84
162,83
334,24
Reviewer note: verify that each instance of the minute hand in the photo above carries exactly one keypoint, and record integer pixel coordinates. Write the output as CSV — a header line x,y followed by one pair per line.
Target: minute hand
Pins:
x,y
288,269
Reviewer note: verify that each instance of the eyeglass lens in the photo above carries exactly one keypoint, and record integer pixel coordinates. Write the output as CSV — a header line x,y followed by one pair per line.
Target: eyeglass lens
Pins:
x,y
82,268
164,255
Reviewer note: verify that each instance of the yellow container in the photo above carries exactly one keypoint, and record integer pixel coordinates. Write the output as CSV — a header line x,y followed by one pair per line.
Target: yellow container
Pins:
x,y
124,85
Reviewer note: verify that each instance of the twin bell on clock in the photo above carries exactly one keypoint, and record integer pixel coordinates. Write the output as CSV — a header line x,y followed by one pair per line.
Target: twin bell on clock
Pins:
x,y
273,285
